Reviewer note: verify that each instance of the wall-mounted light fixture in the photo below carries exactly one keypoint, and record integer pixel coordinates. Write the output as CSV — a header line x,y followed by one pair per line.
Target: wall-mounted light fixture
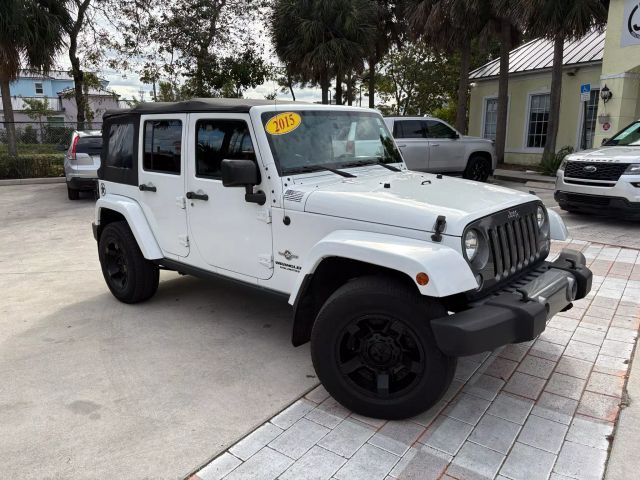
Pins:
x,y
605,94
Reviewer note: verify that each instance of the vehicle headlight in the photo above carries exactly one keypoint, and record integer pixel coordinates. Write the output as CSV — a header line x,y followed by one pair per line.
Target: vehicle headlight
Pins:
x,y
563,164
471,244
633,169
540,216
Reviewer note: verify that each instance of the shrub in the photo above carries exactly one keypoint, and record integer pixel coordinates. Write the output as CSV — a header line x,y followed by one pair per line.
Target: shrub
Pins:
x,y
31,166
550,164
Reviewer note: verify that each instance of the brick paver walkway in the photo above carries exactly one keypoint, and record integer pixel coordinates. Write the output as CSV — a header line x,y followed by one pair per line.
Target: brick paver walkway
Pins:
x,y
536,410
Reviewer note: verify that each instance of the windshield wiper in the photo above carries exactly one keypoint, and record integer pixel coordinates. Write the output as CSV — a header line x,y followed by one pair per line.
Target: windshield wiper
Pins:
x,y
313,168
374,161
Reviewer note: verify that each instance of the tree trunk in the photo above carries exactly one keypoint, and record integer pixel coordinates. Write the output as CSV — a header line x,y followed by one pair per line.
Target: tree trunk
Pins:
x,y
78,92
503,90
350,88
556,90
290,85
463,89
7,111
339,89
324,85
372,83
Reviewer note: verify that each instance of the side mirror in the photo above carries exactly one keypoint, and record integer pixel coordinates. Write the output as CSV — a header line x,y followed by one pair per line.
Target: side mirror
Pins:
x,y
243,173
604,140
455,136
239,173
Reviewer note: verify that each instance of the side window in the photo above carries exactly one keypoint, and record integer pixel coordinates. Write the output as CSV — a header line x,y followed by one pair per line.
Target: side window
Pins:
x,y
409,129
120,148
217,140
436,129
162,146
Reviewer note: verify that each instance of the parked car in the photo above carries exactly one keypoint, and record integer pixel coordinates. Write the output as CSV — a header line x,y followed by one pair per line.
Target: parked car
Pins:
x,y
603,180
429,144
81,162
371,256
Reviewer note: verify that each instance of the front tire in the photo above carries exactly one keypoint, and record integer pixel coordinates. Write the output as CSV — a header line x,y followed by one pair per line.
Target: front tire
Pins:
x,y
478,169
130,277
373,349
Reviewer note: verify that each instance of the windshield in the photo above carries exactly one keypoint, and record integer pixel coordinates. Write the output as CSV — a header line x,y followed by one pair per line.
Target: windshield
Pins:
x,y
630,136
329,138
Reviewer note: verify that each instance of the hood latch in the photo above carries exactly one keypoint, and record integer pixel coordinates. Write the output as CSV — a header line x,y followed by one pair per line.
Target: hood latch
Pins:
x,y
441,223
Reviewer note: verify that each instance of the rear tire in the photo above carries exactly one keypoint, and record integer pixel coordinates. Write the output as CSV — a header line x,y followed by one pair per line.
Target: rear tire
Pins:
x,y
130,277
72,193
478,169
374,352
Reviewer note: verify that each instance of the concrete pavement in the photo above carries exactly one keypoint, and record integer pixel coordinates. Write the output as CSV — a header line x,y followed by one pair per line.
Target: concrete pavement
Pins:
x,y
94,389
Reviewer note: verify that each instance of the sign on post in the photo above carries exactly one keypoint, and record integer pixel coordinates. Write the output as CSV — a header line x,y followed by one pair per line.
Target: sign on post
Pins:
x,y
585,92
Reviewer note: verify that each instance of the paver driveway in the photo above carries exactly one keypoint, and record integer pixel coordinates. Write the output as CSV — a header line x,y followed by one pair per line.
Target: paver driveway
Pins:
x,y
524,412
92,388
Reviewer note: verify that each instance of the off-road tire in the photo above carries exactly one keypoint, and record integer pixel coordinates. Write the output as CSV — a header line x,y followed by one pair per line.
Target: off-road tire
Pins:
x,y
72,193
478,169
374,300
130,277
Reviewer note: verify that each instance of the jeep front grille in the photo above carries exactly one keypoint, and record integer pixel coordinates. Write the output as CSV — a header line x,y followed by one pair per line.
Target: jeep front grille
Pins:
x,y
603,171
514,245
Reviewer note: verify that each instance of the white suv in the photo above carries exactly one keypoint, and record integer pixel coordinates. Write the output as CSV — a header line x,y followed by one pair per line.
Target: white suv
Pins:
x,y
603,180
429,144
372,257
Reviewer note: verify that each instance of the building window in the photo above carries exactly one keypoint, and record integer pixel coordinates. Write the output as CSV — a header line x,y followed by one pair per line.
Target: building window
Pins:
x,y
39,88
538,120
490,118
590,116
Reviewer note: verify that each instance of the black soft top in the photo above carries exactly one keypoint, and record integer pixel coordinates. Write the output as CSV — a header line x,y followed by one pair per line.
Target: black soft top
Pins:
x,y
234,105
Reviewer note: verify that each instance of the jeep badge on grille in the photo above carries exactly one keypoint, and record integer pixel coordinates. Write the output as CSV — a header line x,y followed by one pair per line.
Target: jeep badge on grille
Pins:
x,y
511,214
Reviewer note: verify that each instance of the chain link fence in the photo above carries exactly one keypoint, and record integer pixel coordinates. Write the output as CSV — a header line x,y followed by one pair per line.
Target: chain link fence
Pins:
x,y
40,147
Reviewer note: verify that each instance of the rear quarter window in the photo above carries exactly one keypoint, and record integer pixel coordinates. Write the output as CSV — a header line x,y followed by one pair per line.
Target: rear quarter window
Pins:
x,y
120,149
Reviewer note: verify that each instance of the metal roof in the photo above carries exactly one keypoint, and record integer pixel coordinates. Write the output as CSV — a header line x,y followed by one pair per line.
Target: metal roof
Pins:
x,y
538,55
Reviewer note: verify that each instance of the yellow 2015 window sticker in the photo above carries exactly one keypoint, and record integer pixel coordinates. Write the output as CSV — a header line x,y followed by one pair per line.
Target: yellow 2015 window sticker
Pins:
x,y
282,123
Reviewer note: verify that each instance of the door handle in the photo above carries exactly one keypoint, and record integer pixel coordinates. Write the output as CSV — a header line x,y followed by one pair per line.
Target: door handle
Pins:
x,y
197,196
147,188
434,144
401,146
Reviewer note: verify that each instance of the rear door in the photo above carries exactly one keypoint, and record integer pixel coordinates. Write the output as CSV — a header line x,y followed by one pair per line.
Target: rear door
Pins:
x,y
162,179
446,150
410,138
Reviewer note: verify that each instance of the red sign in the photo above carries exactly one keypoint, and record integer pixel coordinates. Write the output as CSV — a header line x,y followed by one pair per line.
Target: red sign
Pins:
x,y
606,126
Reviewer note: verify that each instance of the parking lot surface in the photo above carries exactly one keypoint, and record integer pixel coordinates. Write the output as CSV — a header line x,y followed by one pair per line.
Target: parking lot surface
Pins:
x,y
541,409
92,388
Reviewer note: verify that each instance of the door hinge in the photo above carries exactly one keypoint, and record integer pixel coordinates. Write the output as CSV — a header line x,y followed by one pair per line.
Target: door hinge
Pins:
x,y
266,260
181,202
183,240
264,214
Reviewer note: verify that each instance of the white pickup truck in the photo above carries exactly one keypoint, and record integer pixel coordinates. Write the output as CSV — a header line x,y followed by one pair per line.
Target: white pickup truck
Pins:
x,y
391,274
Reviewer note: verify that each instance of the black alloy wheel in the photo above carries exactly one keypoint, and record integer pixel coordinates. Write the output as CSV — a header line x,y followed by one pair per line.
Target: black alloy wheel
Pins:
x,y
116,264
478,169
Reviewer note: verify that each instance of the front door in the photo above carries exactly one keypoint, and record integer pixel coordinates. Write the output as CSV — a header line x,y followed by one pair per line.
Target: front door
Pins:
x,y
162,180
229,233
410,138
446,151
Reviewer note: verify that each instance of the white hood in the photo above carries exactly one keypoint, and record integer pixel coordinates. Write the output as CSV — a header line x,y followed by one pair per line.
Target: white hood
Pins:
x,y
607,154
412,200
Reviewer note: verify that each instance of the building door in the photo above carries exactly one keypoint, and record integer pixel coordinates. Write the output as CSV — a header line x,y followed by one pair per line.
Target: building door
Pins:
x,y
161,176
589,119
229,232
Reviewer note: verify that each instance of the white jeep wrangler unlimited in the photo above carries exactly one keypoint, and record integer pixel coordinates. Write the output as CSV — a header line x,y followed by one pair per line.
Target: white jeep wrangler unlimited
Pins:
x,y
392,274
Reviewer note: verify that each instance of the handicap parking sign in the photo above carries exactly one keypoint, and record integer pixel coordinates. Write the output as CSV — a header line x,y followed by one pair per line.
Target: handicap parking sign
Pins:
x,y
585,92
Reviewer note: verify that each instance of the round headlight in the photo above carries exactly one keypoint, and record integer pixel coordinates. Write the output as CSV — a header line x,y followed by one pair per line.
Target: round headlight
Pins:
x,y
471,244
540,216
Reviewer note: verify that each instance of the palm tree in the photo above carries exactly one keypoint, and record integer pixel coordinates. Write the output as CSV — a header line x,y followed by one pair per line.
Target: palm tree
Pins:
x,y
320,38
31,34
559,21
450,26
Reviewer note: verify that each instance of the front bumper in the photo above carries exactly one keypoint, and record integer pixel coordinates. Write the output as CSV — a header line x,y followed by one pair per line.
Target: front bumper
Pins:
x,y
598,204
517,313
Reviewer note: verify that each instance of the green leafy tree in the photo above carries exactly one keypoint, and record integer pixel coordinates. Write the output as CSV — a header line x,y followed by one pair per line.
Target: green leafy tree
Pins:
x,y
416,79
451,26
559,21
37,109
31,34
322,38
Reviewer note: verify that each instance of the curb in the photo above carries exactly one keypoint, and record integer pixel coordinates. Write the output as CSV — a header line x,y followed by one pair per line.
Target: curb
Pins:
x,y
523,178
31,181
